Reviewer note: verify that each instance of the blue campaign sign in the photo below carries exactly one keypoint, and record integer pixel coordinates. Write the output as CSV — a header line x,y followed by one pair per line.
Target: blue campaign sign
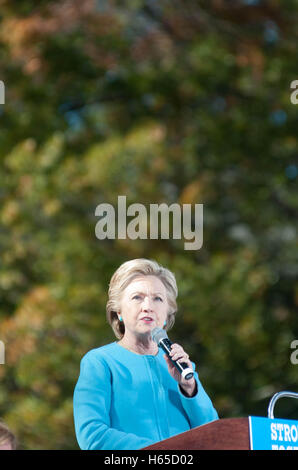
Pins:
x,y
273,434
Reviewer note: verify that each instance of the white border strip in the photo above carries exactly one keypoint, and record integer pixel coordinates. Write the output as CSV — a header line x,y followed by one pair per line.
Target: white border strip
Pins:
x,y
250,433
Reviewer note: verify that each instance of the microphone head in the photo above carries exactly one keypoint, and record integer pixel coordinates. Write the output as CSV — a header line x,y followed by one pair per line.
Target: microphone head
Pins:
x,y
158,334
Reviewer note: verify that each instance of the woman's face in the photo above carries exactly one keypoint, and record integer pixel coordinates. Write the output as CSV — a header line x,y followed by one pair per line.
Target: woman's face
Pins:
x,y
144,305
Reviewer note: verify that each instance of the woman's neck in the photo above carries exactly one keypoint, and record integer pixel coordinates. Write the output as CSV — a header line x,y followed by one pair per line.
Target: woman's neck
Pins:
x,y
143,345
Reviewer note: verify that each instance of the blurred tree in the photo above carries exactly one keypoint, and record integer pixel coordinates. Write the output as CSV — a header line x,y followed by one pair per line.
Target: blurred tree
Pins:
x,y
163,102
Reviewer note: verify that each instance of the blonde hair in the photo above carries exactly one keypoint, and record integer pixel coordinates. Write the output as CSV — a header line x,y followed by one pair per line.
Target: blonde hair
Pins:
x,y
124,275
6,436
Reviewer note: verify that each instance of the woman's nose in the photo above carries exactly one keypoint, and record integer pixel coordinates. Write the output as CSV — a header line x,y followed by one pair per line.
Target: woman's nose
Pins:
x,y
147,303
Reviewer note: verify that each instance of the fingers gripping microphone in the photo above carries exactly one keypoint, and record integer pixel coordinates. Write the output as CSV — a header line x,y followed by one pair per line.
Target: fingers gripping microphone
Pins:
x,y
162,340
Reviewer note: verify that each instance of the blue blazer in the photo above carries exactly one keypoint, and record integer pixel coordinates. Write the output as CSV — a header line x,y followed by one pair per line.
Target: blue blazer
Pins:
x,y
124,400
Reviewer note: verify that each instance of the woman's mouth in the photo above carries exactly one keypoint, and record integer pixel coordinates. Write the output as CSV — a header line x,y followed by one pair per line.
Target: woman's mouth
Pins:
x,y
147,320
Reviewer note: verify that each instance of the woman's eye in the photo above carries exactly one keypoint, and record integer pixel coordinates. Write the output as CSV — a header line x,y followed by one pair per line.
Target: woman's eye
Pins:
x,y
158,298
137,297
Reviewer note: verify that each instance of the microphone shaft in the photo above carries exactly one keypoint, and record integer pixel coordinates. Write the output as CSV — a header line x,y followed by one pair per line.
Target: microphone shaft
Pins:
x,y
182,367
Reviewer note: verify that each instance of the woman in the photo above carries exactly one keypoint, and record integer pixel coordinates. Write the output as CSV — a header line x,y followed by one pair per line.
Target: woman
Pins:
x,y
7,438
129,395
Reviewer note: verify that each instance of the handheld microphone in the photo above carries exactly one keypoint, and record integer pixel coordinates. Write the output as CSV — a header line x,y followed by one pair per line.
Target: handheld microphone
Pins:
x,y
161,338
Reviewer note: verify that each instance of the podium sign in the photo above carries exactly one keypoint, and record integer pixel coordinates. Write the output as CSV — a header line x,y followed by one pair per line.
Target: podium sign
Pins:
x,y
273,434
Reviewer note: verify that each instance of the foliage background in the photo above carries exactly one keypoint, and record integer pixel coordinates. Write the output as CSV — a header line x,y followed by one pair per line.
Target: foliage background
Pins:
x,y
174,101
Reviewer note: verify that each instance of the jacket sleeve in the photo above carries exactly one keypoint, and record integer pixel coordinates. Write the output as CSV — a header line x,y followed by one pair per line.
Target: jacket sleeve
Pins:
x,y
199,408
91,407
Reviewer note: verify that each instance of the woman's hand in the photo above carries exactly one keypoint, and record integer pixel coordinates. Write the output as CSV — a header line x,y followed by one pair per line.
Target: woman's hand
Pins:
x,y
178,353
